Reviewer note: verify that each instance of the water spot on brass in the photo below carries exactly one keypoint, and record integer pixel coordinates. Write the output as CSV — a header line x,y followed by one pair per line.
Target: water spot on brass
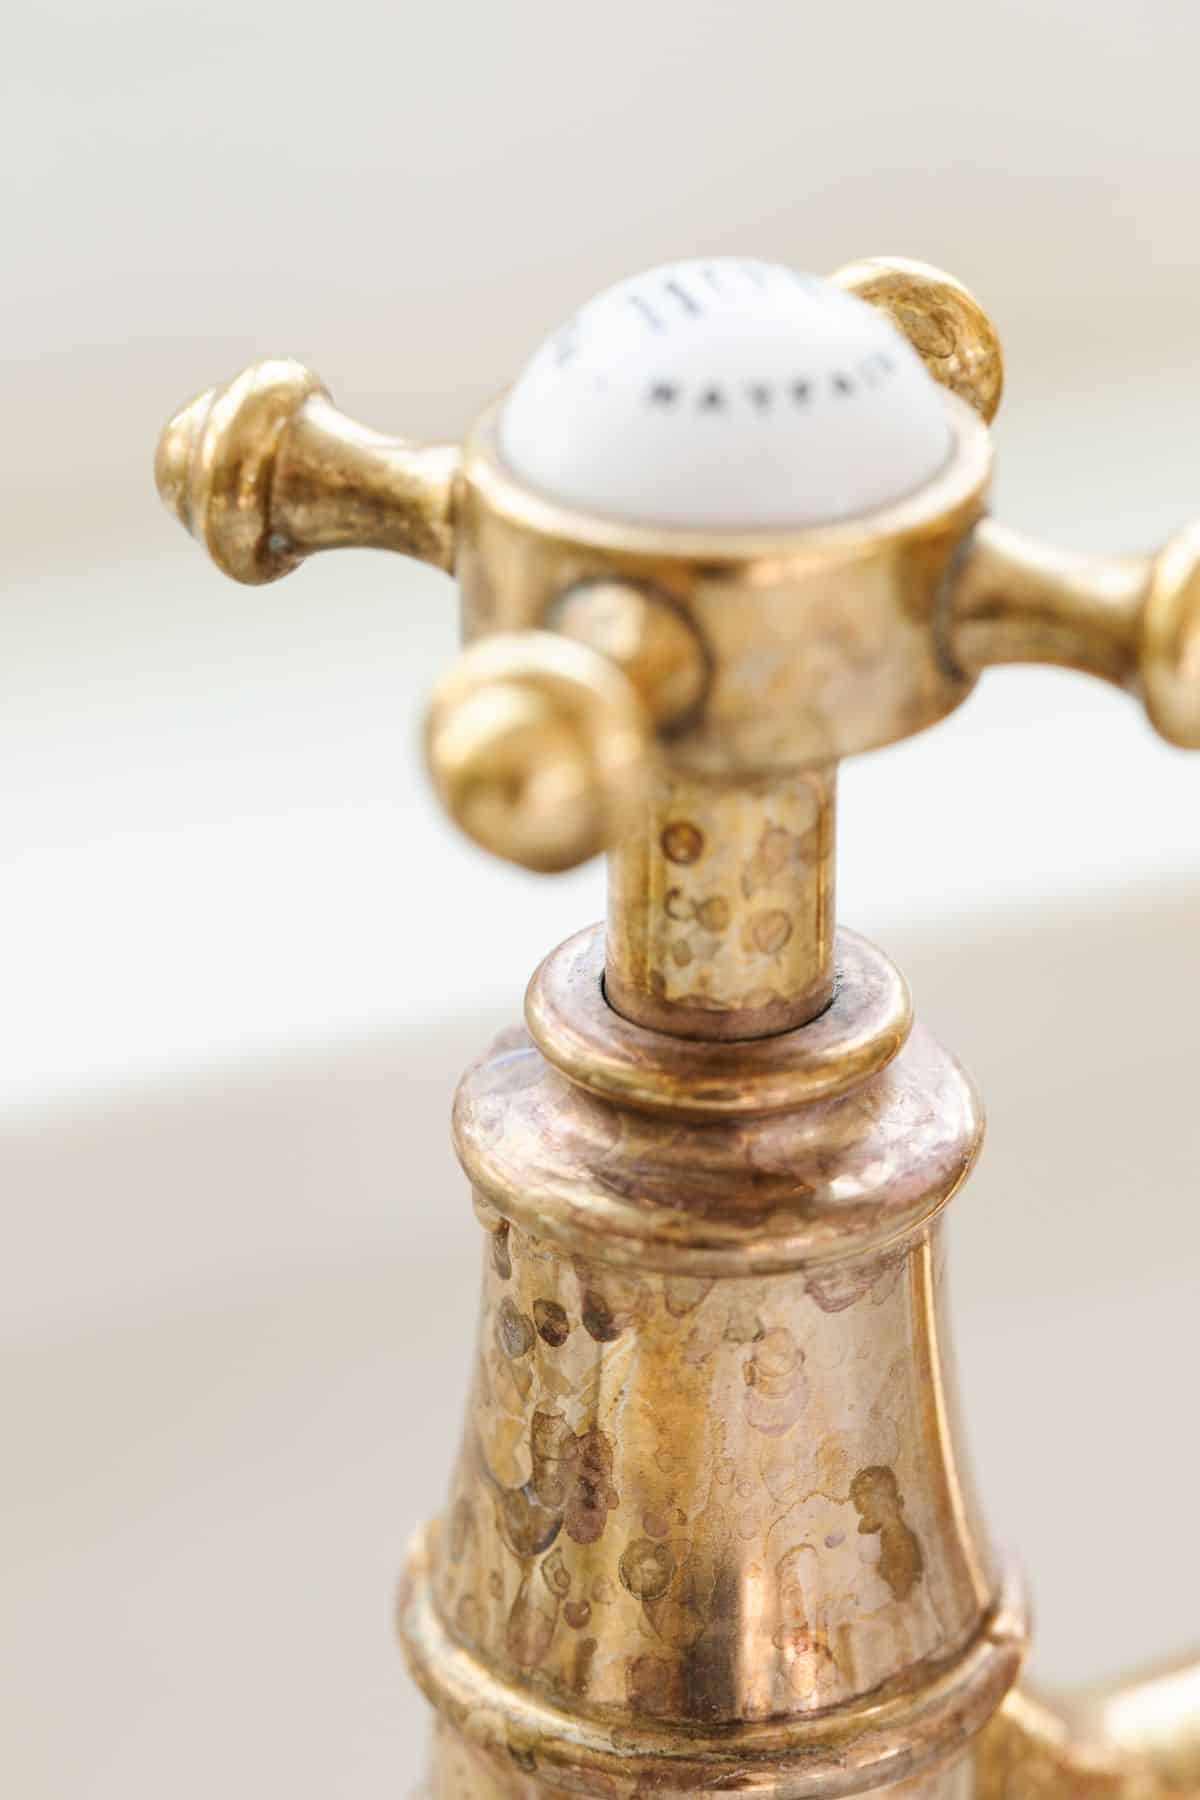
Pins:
x,y
808,1663
714,913
646,1568
839,1288
514,1331
598,1320
553,1448
743,1325
496,1584
611,1301
527,1526
553,1325
776,851
654,1525
681,954
654,1686
462,1524
702,1340
833,1539
677,906
667,1459
682,1294
776,1386
836,1456
682,842
592,1495
501,1259
556,1575
750,1523
577,1613
771,931
880,1508
581,1673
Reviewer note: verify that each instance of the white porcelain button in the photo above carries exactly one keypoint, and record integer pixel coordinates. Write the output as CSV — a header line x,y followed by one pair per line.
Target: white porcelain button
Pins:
x,y
726,394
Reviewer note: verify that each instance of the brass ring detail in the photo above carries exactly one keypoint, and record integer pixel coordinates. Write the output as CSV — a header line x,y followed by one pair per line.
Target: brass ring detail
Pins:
x,y
863,1028
895,1732
233,465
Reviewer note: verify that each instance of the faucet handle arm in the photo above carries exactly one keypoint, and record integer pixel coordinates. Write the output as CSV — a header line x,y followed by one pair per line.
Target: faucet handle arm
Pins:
x,y
1132,620
266,470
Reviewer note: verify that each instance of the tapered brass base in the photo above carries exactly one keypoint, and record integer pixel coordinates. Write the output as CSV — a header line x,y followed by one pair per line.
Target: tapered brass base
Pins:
x,y
711,1525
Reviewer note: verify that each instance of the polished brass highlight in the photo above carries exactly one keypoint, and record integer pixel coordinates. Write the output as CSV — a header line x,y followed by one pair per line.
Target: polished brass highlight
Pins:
x,y
941,319
712,1527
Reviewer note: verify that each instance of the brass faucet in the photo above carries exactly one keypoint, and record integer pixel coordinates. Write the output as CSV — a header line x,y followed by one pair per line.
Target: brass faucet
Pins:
x,y
712,1526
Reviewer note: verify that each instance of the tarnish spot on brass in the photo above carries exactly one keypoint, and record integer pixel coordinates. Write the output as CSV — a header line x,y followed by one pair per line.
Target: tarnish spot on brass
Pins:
x,y
514,1331
646,1568
776,851
776,1386
682,842
598,1320
593,1495
654,1686
877,1500
501,1260
581,1674
714,913
770,931
683,1293
462,1526
555,1575
553,1325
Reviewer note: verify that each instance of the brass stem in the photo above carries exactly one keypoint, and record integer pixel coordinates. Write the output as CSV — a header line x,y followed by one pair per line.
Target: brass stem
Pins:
x,y
720,905
338,483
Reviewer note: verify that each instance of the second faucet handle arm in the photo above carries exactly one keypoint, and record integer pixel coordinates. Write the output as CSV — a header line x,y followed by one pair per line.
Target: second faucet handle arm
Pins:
x,y
1132,620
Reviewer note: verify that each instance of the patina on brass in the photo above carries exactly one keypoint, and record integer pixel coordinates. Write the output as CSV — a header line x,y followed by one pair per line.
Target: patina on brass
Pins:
x,y
712,1527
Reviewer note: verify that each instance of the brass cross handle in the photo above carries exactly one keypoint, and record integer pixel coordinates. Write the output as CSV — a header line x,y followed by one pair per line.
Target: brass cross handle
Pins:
x,y
596,641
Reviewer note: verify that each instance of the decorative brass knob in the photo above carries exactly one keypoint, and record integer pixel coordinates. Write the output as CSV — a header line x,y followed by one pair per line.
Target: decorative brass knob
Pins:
x,y
942,320
266,470
536,745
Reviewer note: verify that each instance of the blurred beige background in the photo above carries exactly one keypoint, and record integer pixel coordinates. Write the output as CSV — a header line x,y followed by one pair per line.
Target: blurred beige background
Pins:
x,y
243,959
